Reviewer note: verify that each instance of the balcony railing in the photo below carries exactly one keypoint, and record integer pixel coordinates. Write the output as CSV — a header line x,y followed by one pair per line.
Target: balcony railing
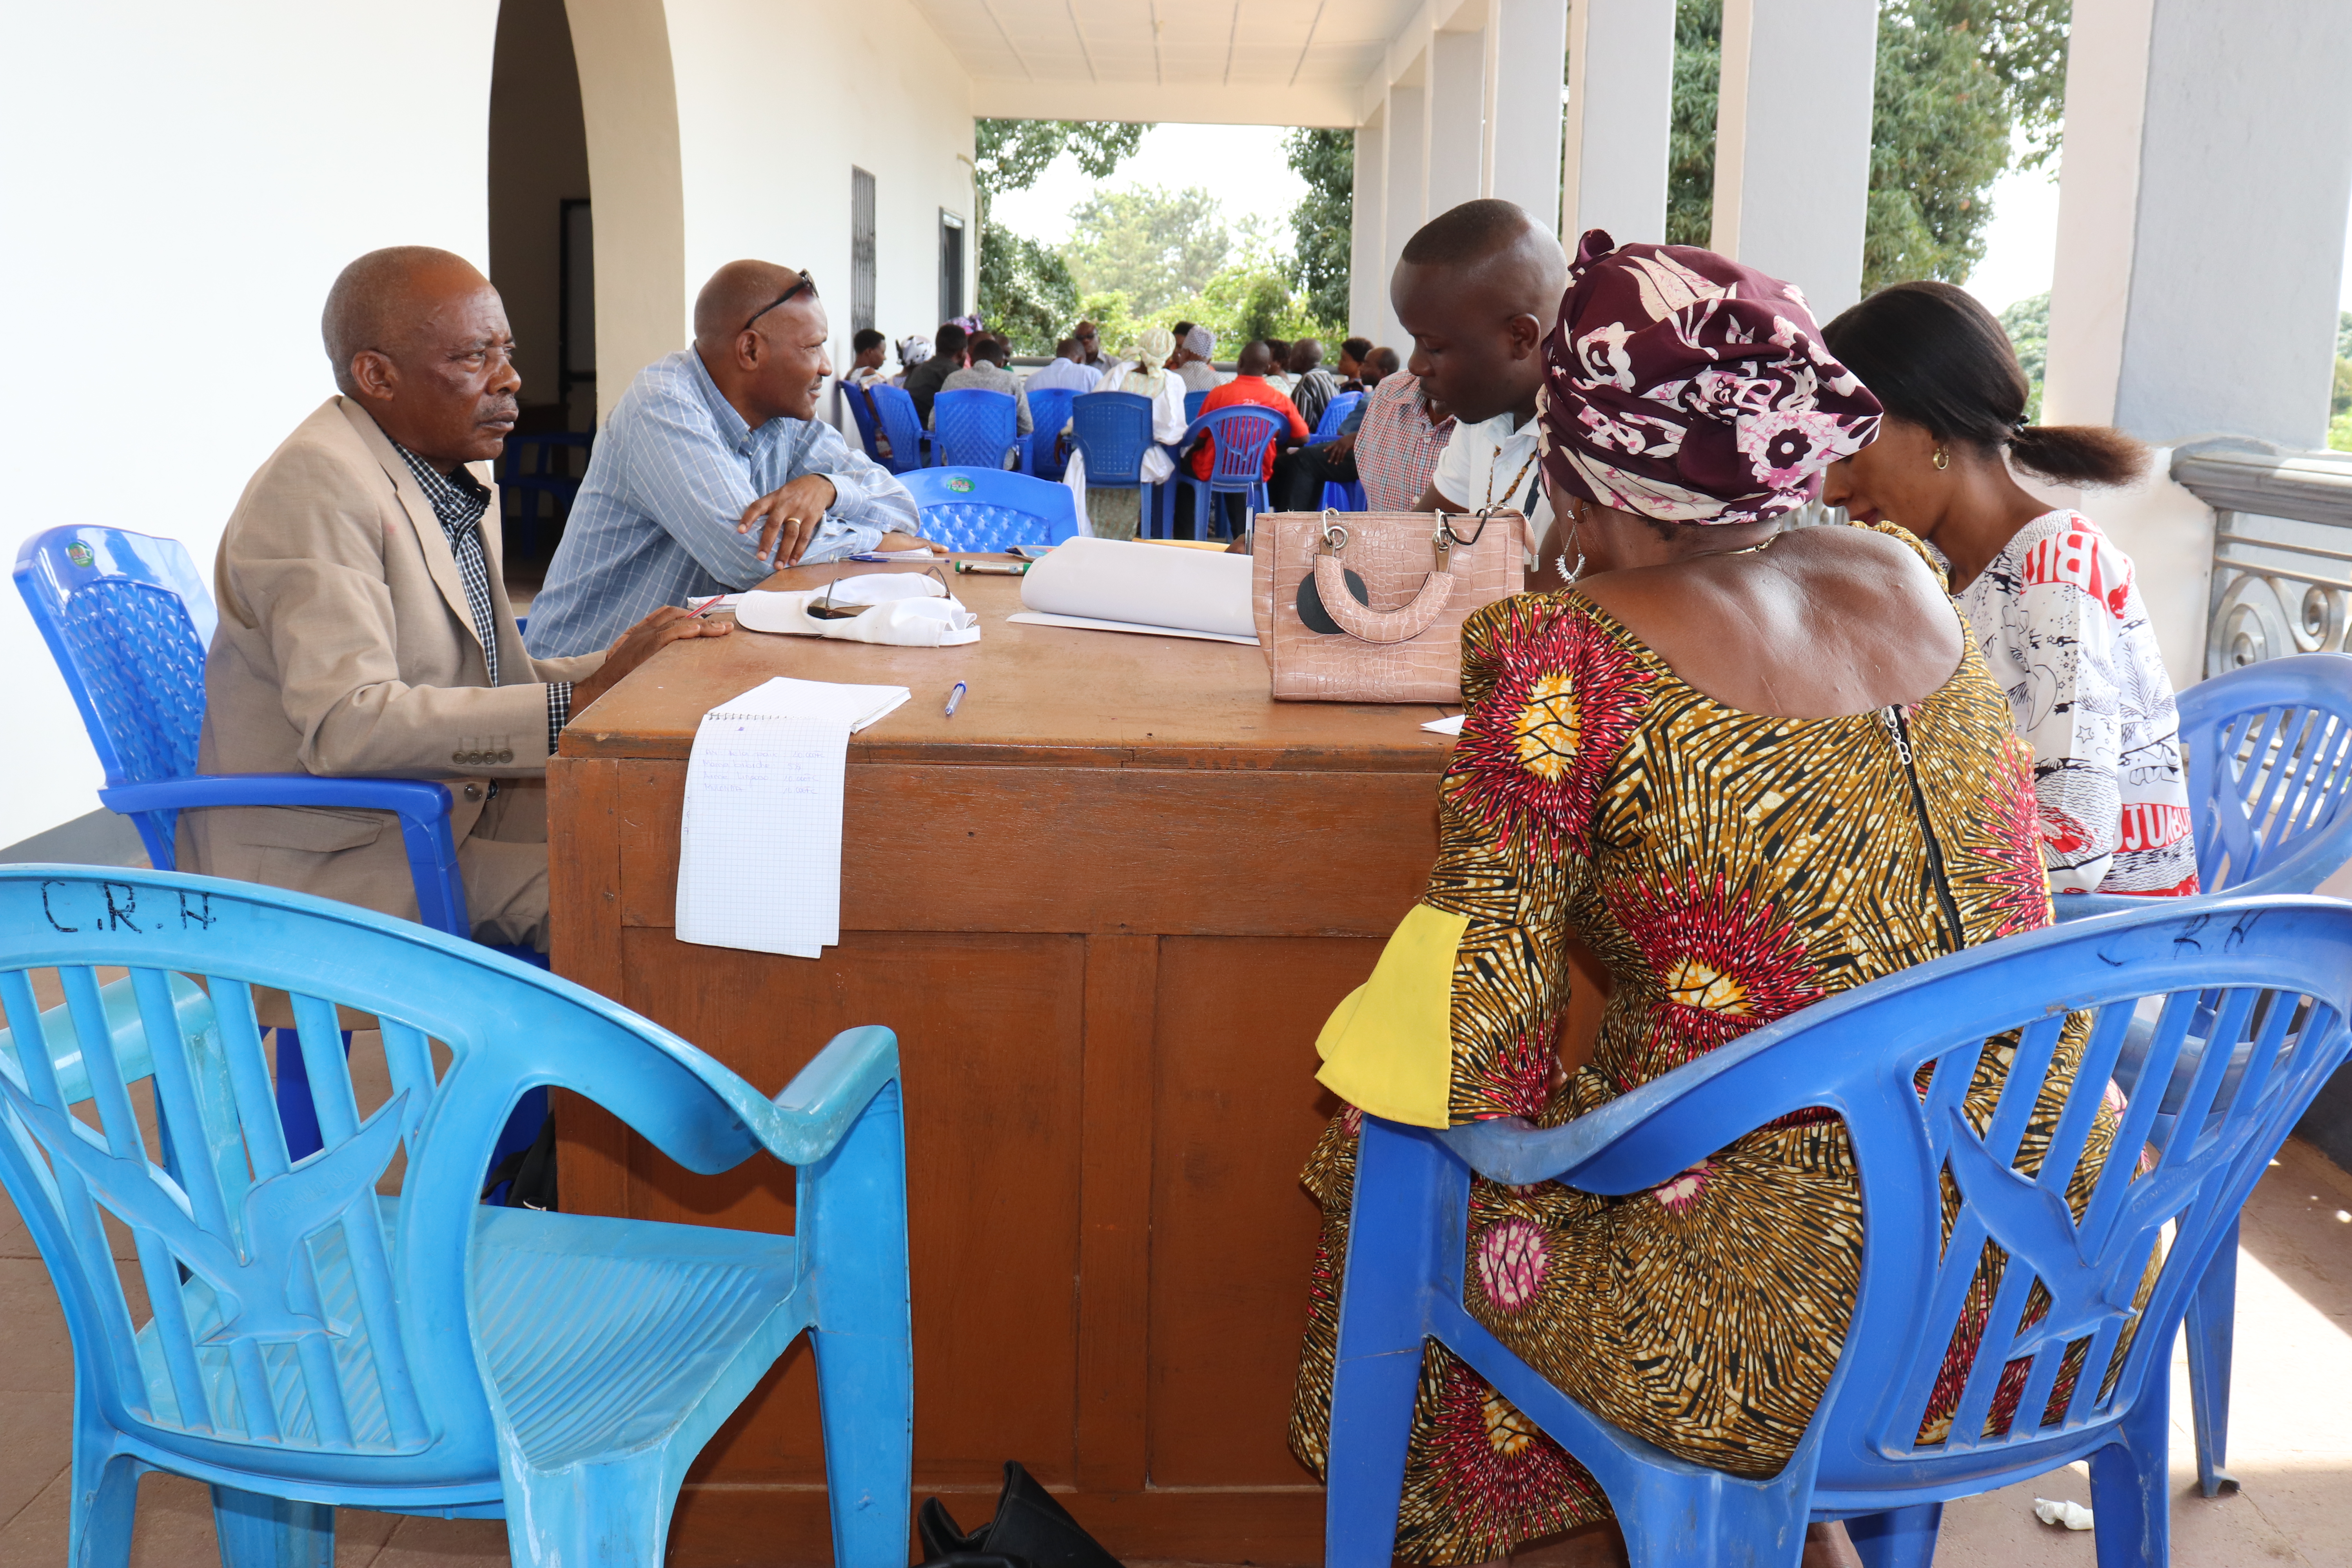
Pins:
x,y
2282,550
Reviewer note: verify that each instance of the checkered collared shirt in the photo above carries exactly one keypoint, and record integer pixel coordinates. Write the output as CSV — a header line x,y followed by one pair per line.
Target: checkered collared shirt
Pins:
x,y
460,500
1396,447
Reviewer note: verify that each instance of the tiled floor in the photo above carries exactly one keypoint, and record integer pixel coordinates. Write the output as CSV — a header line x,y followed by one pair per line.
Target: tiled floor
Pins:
x,y
2291,1441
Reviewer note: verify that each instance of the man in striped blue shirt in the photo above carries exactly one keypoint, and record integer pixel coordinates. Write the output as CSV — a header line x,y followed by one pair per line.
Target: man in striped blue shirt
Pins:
x,y
714,470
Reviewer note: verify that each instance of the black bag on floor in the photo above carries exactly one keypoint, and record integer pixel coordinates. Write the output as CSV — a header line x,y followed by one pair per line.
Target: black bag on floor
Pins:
x,y
1029,1525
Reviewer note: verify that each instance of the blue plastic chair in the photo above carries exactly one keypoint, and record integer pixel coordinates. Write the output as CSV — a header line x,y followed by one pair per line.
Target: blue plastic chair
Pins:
x,y
1338,496
1049,410
910,444
1192,400
310,1344
975,428
2274,975
1113,431
861,410
128,620
991,510
2270,773
1241,433
1334,414
532,468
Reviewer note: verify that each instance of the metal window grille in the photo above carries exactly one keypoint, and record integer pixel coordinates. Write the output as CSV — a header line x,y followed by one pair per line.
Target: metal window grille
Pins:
x,y
861,249
951,265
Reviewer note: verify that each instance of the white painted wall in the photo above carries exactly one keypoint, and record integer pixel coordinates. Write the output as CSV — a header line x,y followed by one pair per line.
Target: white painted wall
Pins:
x,y
766,157
179,184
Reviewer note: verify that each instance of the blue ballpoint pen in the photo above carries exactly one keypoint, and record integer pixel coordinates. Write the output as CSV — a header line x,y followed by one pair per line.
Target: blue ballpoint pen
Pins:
x,y
955,697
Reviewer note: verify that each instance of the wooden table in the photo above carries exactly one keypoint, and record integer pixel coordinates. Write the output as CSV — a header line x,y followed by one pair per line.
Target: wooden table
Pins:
x,y
1107,907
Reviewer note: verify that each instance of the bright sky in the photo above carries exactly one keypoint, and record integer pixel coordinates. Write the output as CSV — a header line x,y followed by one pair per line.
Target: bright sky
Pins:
x,y
1242,164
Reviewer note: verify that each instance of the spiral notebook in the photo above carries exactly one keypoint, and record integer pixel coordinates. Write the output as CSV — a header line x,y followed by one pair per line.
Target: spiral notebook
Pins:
x,y
759,863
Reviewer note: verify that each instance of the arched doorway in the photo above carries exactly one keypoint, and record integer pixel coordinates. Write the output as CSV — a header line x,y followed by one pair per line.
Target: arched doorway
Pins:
x,y
542,261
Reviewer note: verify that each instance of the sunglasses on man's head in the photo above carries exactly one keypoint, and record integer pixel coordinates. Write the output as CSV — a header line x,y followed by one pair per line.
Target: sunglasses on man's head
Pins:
x,y
806,284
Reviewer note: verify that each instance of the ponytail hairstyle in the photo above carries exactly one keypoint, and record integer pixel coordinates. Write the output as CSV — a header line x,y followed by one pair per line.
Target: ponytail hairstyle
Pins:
x,y
1938,359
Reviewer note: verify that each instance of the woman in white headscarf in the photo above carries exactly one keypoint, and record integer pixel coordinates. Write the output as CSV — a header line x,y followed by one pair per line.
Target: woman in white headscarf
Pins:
x,y
1113,514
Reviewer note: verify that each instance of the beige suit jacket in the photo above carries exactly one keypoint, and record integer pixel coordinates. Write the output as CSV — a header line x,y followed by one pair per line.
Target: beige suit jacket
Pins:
x,y
345,646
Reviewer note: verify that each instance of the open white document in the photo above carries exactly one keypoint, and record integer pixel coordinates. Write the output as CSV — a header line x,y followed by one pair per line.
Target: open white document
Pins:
x,y
1115,585
759,863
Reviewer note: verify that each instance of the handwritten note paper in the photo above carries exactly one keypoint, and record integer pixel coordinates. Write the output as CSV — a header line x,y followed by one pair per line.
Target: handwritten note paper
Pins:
x,y
759,861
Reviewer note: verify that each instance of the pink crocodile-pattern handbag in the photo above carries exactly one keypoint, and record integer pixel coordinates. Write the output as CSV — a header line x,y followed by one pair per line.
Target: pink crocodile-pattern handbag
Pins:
x,y
1368,606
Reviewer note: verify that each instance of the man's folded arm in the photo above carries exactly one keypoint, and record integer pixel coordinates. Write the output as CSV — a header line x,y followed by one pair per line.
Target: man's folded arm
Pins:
x,y
863,491
695,489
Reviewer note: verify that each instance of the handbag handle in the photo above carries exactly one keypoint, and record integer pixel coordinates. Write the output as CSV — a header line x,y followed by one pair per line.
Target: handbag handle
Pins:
x,y
1359,620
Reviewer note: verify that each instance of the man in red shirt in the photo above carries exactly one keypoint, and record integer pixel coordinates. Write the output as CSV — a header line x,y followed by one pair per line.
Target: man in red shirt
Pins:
x,y
1248,386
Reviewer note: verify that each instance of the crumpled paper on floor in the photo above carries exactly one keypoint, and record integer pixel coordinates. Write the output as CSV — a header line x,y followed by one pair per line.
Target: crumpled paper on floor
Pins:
x,y
2072,1515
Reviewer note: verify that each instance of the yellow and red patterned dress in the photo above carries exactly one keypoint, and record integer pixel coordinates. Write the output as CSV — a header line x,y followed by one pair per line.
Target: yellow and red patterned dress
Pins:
x,y
1729,867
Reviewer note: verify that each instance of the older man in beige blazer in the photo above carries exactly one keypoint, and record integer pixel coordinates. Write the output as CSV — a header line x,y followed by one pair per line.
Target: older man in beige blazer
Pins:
x,y
364,624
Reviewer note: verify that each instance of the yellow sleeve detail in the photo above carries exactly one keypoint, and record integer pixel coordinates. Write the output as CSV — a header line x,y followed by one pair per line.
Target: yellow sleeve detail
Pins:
x,y
1389,1047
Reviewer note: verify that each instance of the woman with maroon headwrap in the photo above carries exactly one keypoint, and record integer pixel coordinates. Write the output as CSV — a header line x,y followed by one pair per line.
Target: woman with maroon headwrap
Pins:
x,y
1745,769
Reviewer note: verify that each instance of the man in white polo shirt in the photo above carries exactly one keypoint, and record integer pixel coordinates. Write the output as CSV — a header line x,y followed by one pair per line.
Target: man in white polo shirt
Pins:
x,y
1478,288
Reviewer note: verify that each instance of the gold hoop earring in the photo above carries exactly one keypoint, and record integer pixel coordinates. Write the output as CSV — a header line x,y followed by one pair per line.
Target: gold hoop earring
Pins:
x,y
1940,460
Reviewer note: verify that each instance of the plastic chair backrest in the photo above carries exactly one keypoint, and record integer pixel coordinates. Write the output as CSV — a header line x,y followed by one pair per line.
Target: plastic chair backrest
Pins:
x,y
1192,400
1113,430
2273,976
128,619
901,425
975,427
1242,434
989,509
1334,414
1049,410
322,1325
861,411
2270,773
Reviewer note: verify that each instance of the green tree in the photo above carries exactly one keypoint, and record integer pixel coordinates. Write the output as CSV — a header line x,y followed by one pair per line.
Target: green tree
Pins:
x,y
1153,245
2027,323
1025,289
1323,225
1956,81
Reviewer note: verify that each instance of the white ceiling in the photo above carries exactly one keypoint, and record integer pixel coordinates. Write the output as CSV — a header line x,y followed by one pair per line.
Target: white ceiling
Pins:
x,y
1280,62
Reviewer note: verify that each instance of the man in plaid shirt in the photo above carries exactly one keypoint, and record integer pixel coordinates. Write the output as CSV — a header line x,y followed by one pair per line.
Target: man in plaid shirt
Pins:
x,y
1389,445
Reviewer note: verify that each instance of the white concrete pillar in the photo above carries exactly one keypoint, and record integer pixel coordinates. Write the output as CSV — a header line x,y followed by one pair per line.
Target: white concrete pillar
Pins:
x,y
1457,117
2201,212
1620,113
2200,219
1792,141
1405,173
1368,267
1524,42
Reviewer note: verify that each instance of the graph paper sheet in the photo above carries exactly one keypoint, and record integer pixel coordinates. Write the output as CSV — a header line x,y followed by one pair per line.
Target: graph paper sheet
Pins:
x,y
759,862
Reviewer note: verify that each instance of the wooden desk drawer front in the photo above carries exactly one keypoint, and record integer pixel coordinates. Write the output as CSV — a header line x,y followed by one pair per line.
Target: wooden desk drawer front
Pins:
x,y
1238,853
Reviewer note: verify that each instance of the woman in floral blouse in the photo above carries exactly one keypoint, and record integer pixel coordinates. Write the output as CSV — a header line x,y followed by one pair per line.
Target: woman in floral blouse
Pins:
x,y
2049,597
1747,770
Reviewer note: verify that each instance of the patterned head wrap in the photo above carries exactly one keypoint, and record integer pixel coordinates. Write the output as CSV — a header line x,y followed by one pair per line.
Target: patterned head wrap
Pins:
x,y
1683,386
1201,341
913,350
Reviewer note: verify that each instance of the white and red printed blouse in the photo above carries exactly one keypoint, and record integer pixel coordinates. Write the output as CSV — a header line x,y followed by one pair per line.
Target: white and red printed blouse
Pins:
x,y
2064,633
